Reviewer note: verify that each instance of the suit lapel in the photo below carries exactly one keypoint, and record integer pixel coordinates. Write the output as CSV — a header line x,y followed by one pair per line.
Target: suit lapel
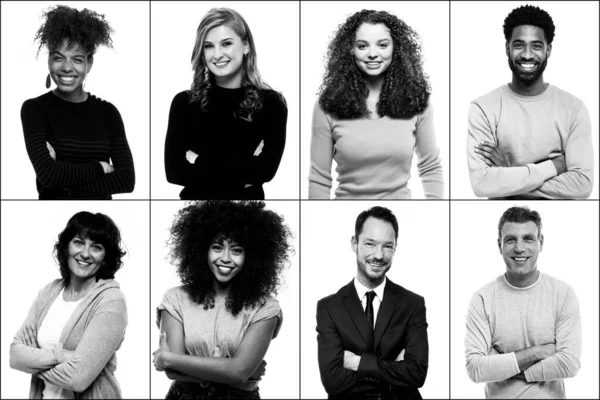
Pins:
x,y
357,314
391,300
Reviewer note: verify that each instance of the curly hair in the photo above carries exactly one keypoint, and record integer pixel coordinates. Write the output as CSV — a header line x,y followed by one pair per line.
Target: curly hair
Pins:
x,y
86,28
99,228
520,215
529,15
405,91
204,80
262,233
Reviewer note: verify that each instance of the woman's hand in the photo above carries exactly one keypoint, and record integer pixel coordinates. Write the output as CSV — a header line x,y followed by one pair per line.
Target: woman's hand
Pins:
x,y
191,156
107,167
30,336
159,355
260,371
51,150
259,148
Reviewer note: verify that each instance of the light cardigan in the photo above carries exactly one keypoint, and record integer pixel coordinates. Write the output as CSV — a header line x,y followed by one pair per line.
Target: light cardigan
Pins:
x,y
373,156
95,331
503,319
531,130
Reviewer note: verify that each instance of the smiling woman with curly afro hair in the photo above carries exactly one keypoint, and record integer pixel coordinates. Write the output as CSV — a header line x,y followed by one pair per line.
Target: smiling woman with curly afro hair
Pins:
x,y
75,141
218,325
373,113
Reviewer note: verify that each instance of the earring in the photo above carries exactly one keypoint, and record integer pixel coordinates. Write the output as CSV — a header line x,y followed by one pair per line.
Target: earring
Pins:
x,y
48,82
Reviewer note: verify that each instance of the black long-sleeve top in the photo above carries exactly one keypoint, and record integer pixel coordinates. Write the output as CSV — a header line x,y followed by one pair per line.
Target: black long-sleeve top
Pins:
x,y
82,135
225,145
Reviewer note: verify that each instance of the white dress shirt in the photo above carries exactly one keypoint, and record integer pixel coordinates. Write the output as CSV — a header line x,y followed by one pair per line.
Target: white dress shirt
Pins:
x,y
362,290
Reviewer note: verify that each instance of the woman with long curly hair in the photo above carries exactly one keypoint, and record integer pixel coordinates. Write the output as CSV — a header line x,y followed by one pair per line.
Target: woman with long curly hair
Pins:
x,y
226,135
69,339
373,113
216,327
75,140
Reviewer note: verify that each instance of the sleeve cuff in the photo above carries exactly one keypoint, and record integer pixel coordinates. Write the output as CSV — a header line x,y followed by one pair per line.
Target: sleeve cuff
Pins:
x,y
546,169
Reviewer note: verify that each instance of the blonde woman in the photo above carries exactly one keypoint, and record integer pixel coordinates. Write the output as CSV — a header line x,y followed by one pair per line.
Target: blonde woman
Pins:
x,y
226,134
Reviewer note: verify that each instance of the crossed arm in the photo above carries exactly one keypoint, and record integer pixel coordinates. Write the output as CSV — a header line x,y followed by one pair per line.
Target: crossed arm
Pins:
x,y
545,362
494,173
341,369
73,370
247,362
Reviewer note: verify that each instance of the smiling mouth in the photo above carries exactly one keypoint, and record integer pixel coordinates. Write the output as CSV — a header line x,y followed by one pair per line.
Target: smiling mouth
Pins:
x,y
527,66
520,259
83,263
67,79
221,64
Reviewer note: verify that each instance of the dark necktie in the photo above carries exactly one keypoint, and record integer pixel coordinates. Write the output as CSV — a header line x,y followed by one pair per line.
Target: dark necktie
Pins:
x,y
369,308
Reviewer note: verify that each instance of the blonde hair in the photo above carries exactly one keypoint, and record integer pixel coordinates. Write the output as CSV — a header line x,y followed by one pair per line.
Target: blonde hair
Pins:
x,y
204,79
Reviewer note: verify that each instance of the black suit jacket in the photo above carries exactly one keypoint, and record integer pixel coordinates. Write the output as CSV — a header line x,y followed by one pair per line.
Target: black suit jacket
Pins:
x,y
400,324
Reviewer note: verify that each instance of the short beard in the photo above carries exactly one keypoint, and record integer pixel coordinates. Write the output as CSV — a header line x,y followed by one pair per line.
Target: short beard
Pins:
x,y
528,79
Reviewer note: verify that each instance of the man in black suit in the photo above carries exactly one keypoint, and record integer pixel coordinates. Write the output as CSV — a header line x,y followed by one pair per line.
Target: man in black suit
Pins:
x,y
356,360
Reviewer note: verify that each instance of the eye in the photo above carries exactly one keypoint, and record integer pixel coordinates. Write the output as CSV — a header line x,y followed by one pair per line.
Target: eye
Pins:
x,y
237,251
228,43
517,45
78,242
369,244
78,60
389,247
384,45
537,46
361,46
97,247
216,247
208,46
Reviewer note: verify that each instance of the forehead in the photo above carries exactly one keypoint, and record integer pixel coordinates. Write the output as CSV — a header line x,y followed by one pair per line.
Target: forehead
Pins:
x,y
378,229
372,32
528,33
219,33
73,48
519,229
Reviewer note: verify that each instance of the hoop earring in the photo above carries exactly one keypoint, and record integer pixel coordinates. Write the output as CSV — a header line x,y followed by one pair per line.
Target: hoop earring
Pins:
x,y
48,81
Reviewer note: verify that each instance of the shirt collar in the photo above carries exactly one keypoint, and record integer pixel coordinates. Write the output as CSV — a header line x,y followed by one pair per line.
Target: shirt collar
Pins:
x,y
361,290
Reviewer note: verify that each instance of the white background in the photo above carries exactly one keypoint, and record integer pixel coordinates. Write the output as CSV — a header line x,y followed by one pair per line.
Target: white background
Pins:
x,y
281,379
429,19
29,231
419,265
119,75
479,65
276,39
570,254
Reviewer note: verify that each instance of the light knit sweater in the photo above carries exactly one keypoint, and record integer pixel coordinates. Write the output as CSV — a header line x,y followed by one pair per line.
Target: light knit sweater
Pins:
x,y
94,332
373,156
531,130
503,319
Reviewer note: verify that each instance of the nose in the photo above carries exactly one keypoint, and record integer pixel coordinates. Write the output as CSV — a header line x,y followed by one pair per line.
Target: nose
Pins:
x,y
527,53
519,246
372,54
85,253
378,252
218,52
67,66
225,257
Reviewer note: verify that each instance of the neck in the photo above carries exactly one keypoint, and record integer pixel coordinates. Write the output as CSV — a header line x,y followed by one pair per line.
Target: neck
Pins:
x,y
374,84
368,283
77,287
76,96
234,82
221,289
522,281
534,89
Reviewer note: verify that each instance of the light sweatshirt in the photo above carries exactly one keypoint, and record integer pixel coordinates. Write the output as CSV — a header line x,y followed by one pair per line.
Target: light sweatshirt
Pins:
x,y
94,331
503,319
531,130
373,156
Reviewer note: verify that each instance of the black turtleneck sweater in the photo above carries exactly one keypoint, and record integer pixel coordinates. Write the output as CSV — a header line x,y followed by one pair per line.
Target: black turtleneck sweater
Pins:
x,y
225,145
82,135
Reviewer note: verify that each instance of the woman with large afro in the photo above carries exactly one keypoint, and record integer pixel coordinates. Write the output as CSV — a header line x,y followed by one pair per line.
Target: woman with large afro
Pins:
x,y
75,140
217,326
373,113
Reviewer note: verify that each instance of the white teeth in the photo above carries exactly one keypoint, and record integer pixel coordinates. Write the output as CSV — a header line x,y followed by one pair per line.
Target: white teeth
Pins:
x,y
527,66
520,258
83,263
67,78
222,63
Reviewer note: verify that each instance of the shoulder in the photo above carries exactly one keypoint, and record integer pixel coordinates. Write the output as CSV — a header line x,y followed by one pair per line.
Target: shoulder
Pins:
x,y
490,99
561,287
181,99
52,287
407,295
565,98
105,106
35,104
333,299
273,99
489,289
176,293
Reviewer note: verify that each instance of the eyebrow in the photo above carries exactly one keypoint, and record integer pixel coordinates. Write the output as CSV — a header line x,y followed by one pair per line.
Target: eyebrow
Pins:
x,y
533,41
62,55
208,41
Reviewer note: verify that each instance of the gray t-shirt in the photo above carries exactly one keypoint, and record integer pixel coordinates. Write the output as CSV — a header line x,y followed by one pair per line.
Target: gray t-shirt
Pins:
x,y
215,332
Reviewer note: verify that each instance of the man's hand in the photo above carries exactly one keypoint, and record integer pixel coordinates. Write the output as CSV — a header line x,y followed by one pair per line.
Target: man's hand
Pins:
x,y
191,156
400,356
490,154
560,164
51,150
351,360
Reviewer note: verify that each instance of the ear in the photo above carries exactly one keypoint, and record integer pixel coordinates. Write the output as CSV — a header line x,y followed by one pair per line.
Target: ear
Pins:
x,y
541,242
548,51
354,244
506,48
500,245
246,48
90,63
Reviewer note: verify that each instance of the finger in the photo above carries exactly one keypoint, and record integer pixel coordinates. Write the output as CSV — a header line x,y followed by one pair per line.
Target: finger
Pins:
x,y
486,161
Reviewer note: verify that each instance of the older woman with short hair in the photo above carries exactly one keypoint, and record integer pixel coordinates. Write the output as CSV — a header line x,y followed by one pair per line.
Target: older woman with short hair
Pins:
x,y
69,339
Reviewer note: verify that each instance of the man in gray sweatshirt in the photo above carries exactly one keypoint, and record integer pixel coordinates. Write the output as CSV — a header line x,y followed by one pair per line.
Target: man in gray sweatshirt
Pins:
x,y
524,328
